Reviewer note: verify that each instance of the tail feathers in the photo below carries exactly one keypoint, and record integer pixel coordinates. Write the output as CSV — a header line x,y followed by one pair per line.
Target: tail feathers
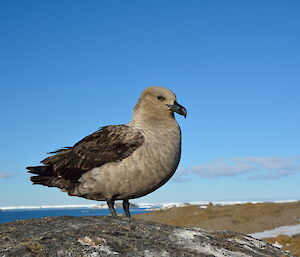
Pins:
x,y
61,183
46,176
46,181
42,170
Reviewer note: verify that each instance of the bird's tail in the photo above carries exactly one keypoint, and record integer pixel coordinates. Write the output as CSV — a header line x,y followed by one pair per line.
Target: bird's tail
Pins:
x,y
46,176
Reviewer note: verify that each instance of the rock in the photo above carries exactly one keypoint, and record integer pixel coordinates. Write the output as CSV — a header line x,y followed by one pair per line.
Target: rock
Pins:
x,y
108,236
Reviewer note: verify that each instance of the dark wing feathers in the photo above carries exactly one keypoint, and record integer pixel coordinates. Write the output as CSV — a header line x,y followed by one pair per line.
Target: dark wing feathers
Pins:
x,y
108,144
60,150
114,142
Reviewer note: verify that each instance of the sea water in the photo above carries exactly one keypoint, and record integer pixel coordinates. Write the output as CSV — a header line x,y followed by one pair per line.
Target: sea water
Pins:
x,y
12,215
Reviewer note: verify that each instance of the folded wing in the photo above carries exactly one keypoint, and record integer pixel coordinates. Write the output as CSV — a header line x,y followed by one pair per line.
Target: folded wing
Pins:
x,y
108,144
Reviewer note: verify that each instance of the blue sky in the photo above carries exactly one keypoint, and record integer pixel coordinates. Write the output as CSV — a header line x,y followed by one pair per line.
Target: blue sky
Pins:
x,y
69,67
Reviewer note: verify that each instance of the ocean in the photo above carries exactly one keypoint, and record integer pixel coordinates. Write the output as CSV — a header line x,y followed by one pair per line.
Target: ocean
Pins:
x,y
12,215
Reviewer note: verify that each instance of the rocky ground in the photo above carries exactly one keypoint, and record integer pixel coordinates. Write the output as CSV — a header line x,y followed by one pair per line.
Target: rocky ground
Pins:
x,y
108,236
243,218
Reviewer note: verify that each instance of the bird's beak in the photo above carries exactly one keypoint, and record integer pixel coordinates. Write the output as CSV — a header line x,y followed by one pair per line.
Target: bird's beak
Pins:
x,y
176,107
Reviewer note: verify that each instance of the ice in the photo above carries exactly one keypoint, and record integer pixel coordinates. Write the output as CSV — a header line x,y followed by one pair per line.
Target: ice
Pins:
x,y
284,230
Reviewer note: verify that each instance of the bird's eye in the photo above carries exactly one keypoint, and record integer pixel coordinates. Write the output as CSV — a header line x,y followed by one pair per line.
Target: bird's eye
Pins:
x,y
161,98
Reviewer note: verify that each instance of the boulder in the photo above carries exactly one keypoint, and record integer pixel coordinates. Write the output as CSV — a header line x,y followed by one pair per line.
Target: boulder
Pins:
x,y
108,236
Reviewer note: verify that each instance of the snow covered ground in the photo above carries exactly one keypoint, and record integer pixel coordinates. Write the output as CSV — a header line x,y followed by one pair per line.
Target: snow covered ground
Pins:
x,y
284,230
203,204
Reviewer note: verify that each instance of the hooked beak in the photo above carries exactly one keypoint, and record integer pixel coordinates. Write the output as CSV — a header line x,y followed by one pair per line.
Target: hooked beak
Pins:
x,y
176,107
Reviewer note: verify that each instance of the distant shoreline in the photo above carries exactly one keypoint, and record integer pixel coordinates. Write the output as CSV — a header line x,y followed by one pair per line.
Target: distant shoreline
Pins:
x,y
139,205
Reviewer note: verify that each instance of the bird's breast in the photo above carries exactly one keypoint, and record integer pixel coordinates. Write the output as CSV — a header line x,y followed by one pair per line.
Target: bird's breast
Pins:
x,y
154,162
145,170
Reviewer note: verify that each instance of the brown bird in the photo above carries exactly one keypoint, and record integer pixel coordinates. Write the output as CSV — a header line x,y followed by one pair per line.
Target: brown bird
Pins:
x,y
120,162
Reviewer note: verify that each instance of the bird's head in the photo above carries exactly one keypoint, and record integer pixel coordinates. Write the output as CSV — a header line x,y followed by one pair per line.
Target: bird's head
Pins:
x,y
159,103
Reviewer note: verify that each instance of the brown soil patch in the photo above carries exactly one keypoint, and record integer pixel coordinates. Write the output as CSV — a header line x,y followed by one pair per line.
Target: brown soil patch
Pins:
x,y
291,244
244,218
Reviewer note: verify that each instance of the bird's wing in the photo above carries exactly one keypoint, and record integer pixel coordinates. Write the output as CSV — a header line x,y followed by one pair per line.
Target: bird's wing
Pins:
x,y
108,144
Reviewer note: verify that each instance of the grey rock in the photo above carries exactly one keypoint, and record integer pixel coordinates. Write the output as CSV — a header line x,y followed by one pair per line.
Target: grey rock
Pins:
x,y
119,236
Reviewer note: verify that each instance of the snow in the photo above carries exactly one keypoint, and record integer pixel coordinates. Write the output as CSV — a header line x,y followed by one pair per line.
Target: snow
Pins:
x,y
148,205
284,230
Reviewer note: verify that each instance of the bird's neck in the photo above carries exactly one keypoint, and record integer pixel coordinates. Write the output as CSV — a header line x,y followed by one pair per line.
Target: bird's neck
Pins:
x,y
153,120
153,116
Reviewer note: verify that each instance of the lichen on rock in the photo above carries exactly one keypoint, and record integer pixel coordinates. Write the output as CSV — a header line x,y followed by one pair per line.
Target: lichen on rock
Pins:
x,y
108,236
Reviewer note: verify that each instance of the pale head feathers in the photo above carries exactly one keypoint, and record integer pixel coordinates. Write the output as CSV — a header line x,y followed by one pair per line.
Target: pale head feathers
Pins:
x,y
152,105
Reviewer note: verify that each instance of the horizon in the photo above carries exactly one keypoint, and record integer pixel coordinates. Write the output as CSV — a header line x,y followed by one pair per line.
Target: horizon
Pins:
x,y
157,204
69,68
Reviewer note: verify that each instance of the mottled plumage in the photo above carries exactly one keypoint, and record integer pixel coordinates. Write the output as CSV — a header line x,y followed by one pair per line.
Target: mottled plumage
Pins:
x,y
120,162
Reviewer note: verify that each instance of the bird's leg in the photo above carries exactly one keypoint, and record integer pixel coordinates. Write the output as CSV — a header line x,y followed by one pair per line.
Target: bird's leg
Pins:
x,y
126,208
111,206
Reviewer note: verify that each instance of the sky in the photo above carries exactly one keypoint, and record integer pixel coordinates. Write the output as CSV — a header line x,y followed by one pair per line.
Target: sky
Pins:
x,y
70,67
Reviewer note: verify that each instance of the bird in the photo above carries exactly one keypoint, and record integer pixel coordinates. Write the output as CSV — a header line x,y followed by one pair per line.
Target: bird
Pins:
x,y
120,162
